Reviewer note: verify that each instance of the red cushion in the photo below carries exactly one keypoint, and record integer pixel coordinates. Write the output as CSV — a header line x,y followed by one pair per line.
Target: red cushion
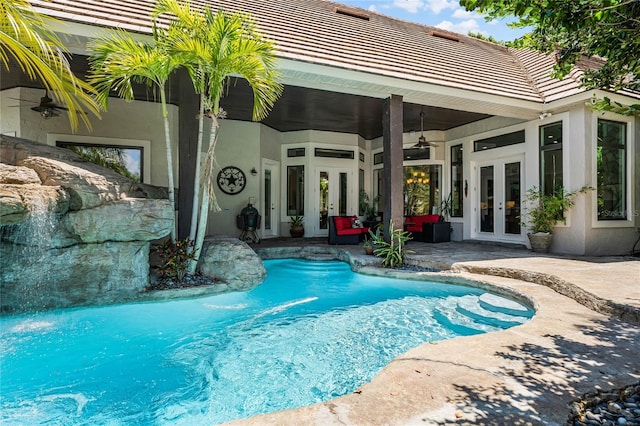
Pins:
x,y
350,231
342,222
419,220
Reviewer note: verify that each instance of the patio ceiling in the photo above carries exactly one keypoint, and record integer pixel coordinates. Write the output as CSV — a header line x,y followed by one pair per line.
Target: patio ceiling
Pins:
x,y
301,108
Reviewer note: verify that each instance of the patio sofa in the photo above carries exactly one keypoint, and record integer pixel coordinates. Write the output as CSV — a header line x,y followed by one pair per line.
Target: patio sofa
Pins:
x,y
342,230
415,225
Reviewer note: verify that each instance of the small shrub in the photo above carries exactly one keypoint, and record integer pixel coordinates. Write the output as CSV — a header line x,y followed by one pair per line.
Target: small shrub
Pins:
x,y
393,251
175,258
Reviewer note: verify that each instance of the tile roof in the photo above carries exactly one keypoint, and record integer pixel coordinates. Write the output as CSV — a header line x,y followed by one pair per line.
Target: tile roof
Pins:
x,y
312,31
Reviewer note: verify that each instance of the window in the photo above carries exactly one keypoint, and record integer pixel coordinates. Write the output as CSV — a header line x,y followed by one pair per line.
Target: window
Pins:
x,y
334,153
551,158
295,152
422,189
378,187
377,158
416,154
295,191
456,181
361,187
499,141
611,158
126,160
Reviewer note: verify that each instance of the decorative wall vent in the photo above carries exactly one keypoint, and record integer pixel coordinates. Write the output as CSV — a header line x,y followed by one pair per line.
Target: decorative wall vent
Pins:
x,y
351,12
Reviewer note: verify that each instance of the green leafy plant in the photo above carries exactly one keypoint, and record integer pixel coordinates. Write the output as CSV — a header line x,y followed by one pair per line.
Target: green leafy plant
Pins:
x,y
547,210
175,258
392,252
296,220
369,208
446,207
110,158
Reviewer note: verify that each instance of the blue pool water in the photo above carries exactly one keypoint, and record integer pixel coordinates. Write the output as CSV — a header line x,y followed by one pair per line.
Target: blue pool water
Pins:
x,y
311,332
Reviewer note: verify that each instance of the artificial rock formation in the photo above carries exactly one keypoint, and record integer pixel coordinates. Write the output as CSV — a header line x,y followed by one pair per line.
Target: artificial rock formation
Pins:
x,y
231,261
71,232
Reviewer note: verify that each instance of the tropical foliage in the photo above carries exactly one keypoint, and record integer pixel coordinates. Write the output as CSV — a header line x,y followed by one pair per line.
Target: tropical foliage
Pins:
x,y
175,258
216,47
392,252
28,39
111,158
607,29
545,211
118,61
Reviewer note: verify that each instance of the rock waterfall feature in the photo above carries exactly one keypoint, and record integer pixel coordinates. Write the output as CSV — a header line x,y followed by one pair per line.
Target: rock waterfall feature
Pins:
x,y
72,233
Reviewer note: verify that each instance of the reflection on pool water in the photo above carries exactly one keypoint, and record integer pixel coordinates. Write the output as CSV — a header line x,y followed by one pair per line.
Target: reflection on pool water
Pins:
x,y
311,332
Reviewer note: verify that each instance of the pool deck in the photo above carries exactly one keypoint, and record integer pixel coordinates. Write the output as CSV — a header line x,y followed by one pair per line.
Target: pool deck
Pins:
x,y
585,336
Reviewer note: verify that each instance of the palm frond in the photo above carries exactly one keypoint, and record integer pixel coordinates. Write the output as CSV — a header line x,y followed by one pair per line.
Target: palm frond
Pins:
x,y
28,38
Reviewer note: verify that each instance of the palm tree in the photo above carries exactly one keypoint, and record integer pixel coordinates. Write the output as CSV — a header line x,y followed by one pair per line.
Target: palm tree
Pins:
x,y
27,39
118,61
218,45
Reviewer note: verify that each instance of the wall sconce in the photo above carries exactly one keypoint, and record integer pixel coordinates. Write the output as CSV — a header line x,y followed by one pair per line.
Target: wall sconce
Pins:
x,y
254,171
544,114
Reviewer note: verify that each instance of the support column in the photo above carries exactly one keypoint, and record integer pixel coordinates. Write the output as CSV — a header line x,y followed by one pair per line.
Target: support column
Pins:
x,y
393,200
187,146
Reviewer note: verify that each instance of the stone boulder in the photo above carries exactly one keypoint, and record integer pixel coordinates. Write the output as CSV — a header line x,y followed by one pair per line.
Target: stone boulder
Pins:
x,y
123,220
231,261
71,232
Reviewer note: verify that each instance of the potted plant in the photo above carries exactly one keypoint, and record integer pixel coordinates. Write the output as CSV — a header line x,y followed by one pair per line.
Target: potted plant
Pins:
x,y
544,213
368,246
369,208
296,225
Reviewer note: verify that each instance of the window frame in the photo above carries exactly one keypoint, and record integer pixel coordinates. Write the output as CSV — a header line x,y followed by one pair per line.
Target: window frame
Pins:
x,y
630,153
542,148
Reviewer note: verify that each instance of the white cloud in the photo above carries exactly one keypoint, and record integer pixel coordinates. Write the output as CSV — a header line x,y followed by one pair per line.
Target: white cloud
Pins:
x,y
411,6
437,6
463,27
464,14
372,8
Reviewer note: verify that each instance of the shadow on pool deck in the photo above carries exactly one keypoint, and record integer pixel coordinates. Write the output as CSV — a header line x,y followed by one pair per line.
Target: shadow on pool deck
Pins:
x,y
525,375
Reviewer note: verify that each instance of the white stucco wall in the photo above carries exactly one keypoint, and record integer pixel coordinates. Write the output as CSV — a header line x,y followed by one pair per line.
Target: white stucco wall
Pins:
x,y
10,111
239,146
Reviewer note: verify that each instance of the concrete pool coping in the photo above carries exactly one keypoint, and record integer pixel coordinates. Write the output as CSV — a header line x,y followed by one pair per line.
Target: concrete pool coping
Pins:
x,y
527,374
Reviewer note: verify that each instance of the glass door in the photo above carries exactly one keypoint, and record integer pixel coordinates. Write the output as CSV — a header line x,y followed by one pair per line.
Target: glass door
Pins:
x,y
499,200
270,196
334,196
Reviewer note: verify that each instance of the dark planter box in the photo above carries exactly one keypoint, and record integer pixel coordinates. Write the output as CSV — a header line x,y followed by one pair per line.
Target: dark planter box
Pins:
x,y
436,232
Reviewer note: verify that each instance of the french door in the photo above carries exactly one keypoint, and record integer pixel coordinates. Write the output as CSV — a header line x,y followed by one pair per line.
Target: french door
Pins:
x,y
334,195
270,196
498,200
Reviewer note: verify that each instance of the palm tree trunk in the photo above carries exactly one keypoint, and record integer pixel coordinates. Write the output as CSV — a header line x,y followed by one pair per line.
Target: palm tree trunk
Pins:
x,y
198,179
167,138
209,199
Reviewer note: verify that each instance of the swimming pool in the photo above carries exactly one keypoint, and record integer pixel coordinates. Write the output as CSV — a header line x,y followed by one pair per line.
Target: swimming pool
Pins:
x,y
311,332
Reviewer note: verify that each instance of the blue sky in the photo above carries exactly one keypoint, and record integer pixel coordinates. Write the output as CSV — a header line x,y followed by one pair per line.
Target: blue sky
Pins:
x,y
446,14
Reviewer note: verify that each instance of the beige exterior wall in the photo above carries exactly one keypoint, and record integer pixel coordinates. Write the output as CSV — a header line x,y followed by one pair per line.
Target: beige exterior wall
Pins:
x,y
246,144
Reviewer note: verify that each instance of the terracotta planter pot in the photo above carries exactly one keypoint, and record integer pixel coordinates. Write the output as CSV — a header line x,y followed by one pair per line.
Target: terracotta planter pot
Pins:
x,y
368,250
296,231
540,241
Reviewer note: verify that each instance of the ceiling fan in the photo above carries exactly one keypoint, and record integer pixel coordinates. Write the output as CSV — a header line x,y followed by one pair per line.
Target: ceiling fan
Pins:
x,y
422,141
47,107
